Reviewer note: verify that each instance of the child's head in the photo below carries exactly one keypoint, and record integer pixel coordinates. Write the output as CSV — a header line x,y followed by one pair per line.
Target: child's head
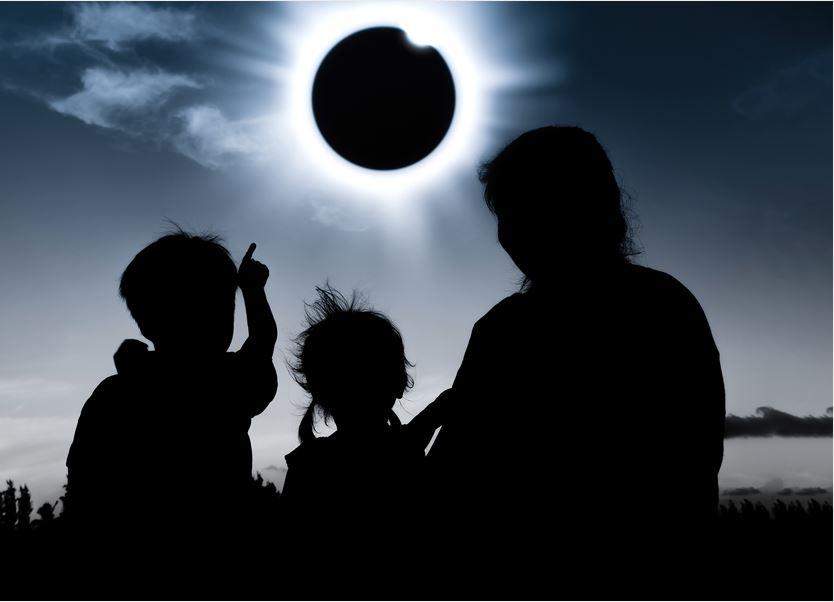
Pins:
x,y
351,361
181,289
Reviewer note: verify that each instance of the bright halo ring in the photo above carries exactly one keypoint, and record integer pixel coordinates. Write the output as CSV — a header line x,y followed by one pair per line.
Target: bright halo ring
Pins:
x,y
422,29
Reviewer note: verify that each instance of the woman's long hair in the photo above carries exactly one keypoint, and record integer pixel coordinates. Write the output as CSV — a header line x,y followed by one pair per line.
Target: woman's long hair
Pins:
x,y
566,172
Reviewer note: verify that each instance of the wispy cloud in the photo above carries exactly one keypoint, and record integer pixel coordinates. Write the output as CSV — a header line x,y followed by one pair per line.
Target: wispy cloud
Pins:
x,y
790,91
108,96
343,217
116,24
212,140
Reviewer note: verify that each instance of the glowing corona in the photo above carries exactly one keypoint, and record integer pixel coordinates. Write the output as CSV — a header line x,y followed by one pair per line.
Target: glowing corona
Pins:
x,y
422,28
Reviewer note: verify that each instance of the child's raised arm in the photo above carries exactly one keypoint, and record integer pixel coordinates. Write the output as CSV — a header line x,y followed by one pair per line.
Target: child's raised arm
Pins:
x,y
257,370
252,277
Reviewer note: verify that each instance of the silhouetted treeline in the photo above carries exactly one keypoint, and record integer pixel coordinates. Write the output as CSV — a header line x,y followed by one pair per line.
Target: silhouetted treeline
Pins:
x,y
16,510
795,511
792,540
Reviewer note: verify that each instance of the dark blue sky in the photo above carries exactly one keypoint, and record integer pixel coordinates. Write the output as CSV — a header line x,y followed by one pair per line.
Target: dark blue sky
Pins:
x,y
114,118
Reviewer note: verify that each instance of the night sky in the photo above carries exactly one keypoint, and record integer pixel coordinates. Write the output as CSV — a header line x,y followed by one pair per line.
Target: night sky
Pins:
x,y
116,118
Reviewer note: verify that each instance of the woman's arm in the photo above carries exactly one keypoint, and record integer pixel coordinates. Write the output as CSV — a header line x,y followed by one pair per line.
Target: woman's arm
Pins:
x,y
422,427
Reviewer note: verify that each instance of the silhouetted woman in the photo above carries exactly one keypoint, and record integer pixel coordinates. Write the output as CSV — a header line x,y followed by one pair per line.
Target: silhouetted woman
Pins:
x,y
590,398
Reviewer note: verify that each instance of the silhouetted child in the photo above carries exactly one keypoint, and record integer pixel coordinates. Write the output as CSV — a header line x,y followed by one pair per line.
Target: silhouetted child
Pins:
x,y
366,477
161,451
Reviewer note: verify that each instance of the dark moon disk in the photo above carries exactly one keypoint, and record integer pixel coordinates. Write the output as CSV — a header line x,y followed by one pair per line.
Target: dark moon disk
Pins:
x,y
380,101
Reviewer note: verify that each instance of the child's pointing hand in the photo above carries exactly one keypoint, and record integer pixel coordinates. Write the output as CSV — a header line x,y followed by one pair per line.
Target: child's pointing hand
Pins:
x,y
251,274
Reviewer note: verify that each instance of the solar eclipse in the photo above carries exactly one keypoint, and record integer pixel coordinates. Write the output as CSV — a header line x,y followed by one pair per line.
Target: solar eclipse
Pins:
x,y
384,99
381,101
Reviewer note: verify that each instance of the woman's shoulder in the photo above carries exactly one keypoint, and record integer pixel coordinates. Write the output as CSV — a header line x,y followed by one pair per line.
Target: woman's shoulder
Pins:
x,y
657,282
502,310
661,294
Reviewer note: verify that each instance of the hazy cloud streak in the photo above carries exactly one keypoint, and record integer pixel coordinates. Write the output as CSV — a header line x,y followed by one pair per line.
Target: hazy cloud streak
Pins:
x,y
790,91
108,95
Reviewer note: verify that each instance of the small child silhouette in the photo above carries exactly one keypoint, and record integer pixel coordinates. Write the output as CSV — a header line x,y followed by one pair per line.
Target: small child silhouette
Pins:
x,y
162,448
352,362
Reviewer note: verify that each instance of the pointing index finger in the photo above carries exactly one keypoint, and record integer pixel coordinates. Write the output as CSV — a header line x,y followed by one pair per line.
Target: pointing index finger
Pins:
x,y
249,252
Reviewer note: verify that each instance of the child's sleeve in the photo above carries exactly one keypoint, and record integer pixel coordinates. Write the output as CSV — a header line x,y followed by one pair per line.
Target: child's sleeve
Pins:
x,y
255,380
89,460
299,492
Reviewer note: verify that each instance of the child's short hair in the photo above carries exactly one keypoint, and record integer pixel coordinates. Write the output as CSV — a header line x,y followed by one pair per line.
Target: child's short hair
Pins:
x,y
175,278
342,331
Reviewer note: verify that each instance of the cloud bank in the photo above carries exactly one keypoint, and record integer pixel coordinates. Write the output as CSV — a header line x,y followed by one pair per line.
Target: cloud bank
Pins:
x,y
770,422
741,491
803,491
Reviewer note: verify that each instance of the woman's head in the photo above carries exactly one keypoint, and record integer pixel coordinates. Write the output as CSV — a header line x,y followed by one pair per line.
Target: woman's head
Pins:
x,y
554,193
351,361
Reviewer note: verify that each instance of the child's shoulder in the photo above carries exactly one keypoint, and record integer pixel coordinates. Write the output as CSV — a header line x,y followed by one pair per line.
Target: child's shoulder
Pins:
x,y
311,452
104,394
103,406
